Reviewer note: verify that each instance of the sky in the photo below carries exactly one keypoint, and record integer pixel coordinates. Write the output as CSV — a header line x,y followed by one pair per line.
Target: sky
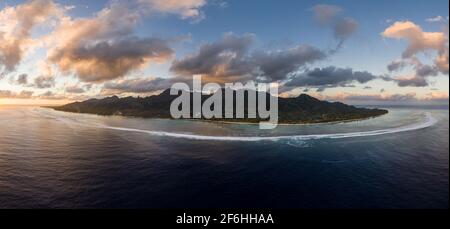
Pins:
x,y
358,52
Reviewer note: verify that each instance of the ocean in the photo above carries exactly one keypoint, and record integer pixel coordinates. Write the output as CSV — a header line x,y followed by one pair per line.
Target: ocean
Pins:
x,y
51,159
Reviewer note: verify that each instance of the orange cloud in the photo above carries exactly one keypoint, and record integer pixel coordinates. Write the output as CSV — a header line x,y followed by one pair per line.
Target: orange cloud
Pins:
x,y
437,96
406,98
421,41
16,24
103,47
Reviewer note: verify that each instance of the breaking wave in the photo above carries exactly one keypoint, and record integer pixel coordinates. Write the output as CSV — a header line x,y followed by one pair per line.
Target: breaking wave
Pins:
x,y
427,122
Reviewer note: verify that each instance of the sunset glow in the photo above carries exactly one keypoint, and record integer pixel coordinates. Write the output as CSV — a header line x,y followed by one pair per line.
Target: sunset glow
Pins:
x,y
64,51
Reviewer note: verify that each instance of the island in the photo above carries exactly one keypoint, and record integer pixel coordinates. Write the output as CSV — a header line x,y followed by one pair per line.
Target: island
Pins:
x,y
303,109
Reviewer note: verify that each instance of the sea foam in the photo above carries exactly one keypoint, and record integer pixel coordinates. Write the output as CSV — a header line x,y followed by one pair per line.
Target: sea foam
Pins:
x,y
427,121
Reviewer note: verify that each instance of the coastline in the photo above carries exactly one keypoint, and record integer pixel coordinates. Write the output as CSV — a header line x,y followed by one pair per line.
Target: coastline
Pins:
x,y
293,124
228,122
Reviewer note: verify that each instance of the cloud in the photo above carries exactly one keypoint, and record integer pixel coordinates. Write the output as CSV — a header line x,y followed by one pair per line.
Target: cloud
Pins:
x,y
224,58
426,70
414,81
16,24
278,65
46,78
422,70
110,60
44,82
418,79
74,89
437,97
222,4
22,79
7,94
186,8
330,15
329,77
442,59
345,28
103,48
49,95
438,18
230,59
325,14
375,97
407,98
70,7
139,85
419,41
396,65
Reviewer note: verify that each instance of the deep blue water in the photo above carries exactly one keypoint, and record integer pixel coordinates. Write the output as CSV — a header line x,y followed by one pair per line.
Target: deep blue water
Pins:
x,y
51,159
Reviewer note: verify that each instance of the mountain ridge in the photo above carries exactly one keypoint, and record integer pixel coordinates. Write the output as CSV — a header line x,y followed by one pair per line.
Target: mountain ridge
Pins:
x,y
302,109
